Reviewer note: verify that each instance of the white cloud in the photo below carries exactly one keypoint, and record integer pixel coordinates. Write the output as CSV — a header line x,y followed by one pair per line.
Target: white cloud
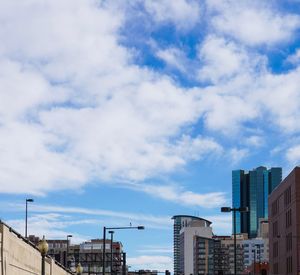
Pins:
x,y
152,221
294,58
74,106
52,225
153,249
252,22
174,57
183,13
182,196
255,141
150,262
221,224
223,59
237,155
293,154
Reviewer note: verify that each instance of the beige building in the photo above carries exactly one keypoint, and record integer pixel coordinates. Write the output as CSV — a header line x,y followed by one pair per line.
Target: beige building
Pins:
x,y
20,257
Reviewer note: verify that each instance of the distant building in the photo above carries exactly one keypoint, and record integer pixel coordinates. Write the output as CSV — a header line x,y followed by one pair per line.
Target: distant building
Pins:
x,y
180,221
251,189
199,251
224,254
256,250
89,255
284,219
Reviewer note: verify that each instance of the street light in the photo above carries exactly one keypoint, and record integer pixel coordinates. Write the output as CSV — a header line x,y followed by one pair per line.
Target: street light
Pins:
x,y
234,210
254,261
26,214
140,227
79,269
67,256
111,249
43,248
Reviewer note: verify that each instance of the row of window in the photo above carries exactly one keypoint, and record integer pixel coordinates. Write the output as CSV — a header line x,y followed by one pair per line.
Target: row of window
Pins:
x,y
287,201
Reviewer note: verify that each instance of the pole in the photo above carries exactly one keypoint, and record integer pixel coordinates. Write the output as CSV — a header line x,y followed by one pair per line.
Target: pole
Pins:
x,y
43,264
124,264
26,220
254,269
67,262
103,250
111,252
234,239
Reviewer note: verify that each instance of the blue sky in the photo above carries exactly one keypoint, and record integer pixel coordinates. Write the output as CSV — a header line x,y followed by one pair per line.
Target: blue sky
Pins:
x,y
119,112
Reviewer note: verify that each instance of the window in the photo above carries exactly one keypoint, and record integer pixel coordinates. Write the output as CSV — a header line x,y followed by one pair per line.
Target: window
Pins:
x,y
275,249
275,229
287,196
289,264
274,208
288,218
289,242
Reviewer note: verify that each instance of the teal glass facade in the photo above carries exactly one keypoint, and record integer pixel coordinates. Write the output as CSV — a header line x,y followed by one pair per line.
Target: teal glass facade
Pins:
x,y
252,189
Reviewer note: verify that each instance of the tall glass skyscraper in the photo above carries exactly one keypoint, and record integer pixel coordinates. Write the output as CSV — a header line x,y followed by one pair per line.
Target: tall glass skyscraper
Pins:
x,y
251,189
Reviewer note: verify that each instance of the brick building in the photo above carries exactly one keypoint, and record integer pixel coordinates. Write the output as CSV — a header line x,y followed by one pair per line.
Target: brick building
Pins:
x,y
284,222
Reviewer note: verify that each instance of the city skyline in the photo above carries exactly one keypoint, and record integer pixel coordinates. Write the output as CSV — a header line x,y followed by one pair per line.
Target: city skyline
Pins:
x,y
118,113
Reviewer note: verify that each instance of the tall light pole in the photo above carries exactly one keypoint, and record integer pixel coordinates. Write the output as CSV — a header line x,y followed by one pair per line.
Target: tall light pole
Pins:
x,y
26,215
67,256
254,262
104,240
234,210
111,249
43,248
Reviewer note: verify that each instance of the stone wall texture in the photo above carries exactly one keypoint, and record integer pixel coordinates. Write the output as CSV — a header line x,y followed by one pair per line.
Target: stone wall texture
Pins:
x,y
18,257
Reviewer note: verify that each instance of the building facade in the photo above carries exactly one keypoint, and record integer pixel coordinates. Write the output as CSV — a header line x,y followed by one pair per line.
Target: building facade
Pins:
x,y
89,254
251,189
195,247
224,254
180,221
284,221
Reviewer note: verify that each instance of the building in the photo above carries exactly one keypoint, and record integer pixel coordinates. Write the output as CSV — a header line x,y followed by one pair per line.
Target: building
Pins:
x,y
195,247
256,250
191,238
90,255
180,221
251,189
284,220
203,255
19,256
224,254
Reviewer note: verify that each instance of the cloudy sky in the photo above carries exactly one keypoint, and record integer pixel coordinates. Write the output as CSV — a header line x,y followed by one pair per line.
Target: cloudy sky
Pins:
x,y
119,112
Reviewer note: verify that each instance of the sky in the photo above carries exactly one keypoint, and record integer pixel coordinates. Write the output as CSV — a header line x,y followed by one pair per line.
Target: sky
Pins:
x,y
129,112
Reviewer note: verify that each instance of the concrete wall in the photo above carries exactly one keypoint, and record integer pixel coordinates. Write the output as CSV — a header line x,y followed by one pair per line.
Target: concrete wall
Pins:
x,y
19,258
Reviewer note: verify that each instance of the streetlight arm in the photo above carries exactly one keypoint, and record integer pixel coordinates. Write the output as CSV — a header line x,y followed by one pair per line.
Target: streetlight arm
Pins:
x,y
126,227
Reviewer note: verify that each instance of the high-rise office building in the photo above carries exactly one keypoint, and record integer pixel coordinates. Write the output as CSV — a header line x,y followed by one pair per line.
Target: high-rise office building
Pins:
x,y
251,189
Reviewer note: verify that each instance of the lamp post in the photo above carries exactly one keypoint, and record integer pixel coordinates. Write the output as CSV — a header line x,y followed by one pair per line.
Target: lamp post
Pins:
x,y
104,240
234,210
79,269
43,248
254,260
67,256
26,214
111,249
